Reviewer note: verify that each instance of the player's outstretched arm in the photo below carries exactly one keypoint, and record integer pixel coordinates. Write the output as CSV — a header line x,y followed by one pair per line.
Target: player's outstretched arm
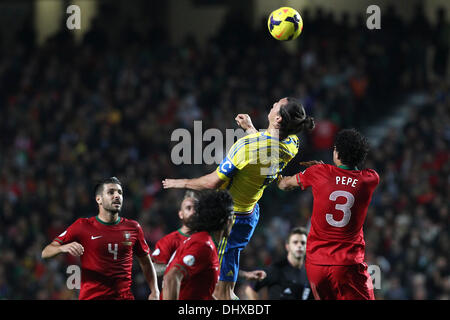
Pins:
x,y
172,284
55,248
310,163
287,183
209,181
253,275
150,275
245,122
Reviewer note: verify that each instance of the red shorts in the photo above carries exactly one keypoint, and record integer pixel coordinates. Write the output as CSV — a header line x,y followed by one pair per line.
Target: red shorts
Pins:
x,y
350,282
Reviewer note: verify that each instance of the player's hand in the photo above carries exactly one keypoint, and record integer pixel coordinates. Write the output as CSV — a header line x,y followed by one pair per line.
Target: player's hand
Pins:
x,y
310,163
154,295
173,183
254,275
287,183
244,121
73,248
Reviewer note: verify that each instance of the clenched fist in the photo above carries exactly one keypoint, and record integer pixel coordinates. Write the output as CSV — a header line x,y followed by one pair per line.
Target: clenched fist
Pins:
x,y
74,248
244,121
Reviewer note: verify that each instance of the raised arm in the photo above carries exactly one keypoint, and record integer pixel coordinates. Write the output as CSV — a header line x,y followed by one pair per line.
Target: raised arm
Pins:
x,y
150,275
209,181
245,122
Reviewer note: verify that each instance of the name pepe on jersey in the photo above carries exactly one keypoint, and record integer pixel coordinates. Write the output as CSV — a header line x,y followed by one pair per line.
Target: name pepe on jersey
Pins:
x,y
345,181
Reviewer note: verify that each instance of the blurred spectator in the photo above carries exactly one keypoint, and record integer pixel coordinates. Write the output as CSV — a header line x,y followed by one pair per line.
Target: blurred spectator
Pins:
x,y
441,41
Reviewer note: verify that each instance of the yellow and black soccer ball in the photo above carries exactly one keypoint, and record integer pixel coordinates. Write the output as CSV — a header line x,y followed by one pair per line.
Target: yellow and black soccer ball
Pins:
x,y
285,24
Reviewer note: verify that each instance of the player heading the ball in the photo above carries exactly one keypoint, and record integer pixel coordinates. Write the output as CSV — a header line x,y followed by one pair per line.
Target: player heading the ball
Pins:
x,y
245,174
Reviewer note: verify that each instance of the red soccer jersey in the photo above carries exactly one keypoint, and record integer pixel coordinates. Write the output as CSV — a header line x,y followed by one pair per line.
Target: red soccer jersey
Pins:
x,y
108,255
341,199
167,245
197,259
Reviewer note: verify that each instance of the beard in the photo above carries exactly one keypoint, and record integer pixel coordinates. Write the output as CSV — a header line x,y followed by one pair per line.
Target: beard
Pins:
x,y
112,209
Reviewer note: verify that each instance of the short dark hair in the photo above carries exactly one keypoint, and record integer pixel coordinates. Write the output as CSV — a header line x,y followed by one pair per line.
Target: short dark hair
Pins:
x,y
98,189
212,211
352,147
297,230
294,119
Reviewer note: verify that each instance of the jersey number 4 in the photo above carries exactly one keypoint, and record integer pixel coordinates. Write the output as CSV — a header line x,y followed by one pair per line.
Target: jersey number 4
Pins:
x,y
345,208
113,251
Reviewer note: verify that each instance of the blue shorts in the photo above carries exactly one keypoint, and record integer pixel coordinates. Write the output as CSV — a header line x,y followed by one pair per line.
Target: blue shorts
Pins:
x,y
230,248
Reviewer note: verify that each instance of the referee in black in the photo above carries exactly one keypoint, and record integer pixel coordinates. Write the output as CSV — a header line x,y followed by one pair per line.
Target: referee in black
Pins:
x,y
286,279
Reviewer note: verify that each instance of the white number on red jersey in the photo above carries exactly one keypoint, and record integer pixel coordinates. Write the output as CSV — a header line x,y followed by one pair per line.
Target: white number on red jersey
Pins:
x,y
341,207
113,251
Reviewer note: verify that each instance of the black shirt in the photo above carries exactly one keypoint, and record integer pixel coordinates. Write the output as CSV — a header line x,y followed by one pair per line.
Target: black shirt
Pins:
x,y
285,282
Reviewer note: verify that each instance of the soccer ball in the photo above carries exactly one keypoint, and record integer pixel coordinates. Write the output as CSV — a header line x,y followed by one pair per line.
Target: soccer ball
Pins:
x,y
285,24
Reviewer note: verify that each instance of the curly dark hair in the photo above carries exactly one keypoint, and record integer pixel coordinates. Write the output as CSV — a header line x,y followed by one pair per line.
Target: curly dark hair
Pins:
x,y
294,118
212,211
352,147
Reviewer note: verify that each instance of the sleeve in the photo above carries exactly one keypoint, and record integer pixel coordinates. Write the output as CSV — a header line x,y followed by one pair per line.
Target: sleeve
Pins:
x,y
376,177
194,259
236,159
70,234
141,247
162,252
308,177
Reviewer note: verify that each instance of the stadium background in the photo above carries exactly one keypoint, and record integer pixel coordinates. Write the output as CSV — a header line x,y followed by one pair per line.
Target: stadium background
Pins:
x,y
80,105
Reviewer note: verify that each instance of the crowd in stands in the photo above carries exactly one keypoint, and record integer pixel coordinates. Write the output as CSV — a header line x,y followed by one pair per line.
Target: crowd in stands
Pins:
x,y
72,113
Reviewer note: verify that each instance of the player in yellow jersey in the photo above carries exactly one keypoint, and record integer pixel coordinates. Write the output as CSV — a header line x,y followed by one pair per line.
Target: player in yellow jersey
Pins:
x,y
251,164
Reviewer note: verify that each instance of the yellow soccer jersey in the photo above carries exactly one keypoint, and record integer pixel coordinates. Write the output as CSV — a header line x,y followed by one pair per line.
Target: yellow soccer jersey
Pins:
x,y
252,163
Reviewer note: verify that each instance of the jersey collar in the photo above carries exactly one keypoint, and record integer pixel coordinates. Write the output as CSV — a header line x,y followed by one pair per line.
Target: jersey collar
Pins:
x,y
267,134
182,233
108,223
347,167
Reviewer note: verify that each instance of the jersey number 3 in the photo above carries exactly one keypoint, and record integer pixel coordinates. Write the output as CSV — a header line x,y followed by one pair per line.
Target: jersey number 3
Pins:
x,y
345,208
